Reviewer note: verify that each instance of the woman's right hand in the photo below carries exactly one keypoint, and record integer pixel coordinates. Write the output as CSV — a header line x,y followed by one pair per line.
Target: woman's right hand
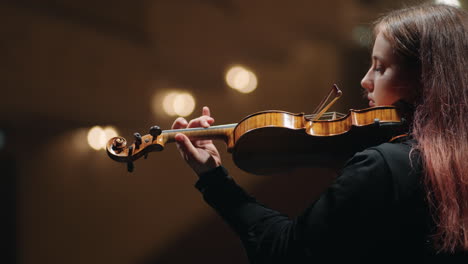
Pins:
x,y
200,154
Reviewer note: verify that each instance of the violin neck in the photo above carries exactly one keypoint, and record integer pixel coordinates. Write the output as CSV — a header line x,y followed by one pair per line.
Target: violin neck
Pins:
x,y
222,132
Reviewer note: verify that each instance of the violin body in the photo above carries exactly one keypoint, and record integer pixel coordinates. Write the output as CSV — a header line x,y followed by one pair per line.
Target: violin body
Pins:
x,y
275,141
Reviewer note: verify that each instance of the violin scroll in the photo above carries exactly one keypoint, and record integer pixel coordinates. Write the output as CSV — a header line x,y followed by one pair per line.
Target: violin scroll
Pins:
x,y
118,144
118,150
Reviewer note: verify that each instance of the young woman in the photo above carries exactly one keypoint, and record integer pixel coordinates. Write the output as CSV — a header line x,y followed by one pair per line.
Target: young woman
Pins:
x,y
407,198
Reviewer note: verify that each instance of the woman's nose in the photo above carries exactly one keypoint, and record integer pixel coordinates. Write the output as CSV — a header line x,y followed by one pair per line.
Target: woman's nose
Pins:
x,y
367,83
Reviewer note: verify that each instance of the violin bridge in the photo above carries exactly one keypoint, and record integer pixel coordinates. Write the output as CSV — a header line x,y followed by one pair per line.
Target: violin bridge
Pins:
x,y
324,105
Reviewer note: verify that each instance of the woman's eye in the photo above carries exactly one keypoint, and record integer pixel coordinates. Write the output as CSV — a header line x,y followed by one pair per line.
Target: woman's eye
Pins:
x,y
378,69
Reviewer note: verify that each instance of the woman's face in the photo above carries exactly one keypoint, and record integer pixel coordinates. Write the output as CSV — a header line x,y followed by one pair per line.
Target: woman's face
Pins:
x,y
384,82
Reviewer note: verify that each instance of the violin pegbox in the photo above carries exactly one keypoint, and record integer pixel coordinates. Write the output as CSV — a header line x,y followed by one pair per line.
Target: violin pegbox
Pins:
x,y
118,150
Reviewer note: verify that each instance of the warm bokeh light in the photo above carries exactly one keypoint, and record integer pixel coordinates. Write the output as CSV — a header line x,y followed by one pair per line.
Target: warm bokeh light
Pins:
x,y
95,136
449,2
178,104
98,136
241,79
184,104
168,103
251,85
237,77
362,35
109,132
78,140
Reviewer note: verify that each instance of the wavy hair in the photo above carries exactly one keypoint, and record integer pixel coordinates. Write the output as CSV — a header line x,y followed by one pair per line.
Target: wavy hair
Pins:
x,y
432,42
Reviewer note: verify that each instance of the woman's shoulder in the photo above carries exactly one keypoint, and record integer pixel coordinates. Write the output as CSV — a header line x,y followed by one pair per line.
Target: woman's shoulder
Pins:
x,y
394,155
403,164
399,155
395,162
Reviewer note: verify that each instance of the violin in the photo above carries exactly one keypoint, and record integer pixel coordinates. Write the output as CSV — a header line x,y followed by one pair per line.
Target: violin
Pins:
x,y
273,141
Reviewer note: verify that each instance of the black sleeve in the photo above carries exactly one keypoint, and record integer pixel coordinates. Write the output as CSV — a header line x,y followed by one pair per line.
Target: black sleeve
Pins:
x,y
347,218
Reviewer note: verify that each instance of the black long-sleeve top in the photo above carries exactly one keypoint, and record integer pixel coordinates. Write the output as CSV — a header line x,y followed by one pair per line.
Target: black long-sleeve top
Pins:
x,y
375,210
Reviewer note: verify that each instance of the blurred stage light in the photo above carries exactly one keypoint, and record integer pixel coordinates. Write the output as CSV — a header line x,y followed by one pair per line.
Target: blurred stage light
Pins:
x,y
362,35
94,137
237,77
98,136
241,79
184,104
109,132
178,104
252,84
449,2
168,103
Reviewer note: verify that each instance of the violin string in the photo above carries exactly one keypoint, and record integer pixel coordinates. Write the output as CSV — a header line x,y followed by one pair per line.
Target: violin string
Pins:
x,y
326,115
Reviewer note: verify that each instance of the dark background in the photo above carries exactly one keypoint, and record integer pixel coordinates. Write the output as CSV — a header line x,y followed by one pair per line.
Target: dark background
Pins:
x,y
66,66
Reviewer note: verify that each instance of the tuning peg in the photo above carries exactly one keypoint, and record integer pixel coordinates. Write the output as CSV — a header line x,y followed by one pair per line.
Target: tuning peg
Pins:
x,y
137,140
130,166
155,131
130,151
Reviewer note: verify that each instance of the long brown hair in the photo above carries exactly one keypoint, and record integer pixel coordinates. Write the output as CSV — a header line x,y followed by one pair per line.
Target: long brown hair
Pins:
x,y
432,41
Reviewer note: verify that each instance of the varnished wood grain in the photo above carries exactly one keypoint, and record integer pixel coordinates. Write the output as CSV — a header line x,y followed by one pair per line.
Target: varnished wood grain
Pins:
x,y
269,141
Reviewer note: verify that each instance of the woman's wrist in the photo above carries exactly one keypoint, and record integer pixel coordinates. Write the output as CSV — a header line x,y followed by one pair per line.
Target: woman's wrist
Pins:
x,y
200,171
